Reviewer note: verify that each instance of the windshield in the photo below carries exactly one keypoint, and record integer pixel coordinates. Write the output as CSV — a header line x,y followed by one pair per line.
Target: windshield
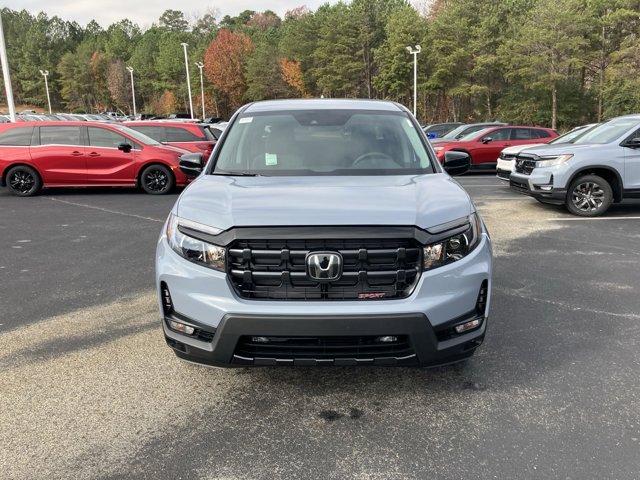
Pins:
x,y
608,132
455,132
323,142
572,135
464,130
141,137
475,133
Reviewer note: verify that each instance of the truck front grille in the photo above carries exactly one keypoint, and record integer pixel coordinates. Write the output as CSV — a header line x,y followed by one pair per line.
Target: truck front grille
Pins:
x,y
372,269
525,165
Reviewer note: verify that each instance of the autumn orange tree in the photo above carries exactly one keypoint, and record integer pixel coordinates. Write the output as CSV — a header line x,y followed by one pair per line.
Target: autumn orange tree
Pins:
x,y
292,75
224,64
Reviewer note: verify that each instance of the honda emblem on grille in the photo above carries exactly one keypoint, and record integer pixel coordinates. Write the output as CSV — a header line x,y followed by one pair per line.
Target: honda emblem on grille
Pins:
x,y
324,266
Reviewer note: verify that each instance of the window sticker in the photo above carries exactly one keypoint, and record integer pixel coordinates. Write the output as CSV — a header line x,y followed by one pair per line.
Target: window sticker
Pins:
x,y
246,120
270,159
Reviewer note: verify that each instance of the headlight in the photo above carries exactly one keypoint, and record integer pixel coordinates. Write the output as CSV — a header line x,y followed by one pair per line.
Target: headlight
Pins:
x,y
453,248
553,161
192,249
438,149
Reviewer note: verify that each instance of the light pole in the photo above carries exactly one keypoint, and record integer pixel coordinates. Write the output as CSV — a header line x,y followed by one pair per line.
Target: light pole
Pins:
x,y
415,51
45,74
133,93
186,66
200,66
6,75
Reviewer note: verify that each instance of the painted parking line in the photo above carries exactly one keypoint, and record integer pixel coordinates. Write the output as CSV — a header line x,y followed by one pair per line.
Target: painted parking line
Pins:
x,y
107,210
578,219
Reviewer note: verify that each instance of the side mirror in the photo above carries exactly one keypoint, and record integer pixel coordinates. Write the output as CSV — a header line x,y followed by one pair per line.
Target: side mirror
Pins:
x,y
191,164
456,163
486,140
632,143
125,147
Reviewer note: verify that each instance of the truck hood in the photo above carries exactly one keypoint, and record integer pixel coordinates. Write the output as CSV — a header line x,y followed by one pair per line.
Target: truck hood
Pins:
x,y
519,148
561,148
421,200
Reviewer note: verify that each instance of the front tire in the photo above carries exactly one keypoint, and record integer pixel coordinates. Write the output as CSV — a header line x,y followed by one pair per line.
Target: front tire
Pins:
x,y
157,180
23,181
589,196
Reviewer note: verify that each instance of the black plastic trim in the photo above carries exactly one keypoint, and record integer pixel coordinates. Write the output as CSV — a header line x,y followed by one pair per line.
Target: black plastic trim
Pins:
x,y
322,232
422,336
631,193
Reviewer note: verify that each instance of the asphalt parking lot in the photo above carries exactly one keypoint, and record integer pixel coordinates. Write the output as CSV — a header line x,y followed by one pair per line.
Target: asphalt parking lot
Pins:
x,y
90,390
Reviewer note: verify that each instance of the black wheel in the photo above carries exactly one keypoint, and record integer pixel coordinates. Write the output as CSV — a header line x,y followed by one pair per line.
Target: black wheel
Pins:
x,y
157,180
589,196
23,181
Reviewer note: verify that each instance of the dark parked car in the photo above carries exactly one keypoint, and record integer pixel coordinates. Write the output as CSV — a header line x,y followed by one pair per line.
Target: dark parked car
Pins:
x,y
437,130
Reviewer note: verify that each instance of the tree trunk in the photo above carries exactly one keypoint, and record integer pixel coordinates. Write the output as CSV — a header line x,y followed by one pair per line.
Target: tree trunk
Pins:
x,y
554,106
489,112
601,73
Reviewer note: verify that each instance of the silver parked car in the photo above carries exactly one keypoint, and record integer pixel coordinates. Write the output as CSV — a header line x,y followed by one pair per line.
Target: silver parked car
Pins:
x,y
507,158
599,168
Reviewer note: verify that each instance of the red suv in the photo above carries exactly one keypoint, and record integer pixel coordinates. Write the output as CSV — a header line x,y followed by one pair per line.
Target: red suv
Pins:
x,y
63,154
191,136
484,146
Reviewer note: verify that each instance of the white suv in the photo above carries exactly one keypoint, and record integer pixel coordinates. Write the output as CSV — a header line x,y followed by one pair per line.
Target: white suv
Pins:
x,y
507,158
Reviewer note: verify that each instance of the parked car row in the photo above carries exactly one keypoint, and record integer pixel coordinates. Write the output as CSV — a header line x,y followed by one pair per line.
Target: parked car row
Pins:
x,y
586,170
65,117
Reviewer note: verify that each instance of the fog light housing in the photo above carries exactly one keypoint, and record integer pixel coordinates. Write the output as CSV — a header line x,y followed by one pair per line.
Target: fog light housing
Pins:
x,y
546,188
165,297
181,327
470,325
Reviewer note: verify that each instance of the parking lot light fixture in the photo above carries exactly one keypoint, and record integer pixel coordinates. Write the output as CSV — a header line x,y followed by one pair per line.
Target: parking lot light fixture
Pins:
x,y
200,66
133,93
45,74
186,66
415,51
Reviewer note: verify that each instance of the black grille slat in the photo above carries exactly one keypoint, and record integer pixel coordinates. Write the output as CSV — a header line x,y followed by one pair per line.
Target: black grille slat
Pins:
x,y
356,347
525,165
372,269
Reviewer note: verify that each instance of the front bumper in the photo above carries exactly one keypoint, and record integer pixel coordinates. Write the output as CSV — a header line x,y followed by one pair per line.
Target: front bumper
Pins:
x,y
538,186
504,169
444,296
428,348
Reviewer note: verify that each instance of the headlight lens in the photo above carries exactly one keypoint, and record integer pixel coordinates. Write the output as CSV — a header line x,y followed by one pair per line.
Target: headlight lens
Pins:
x,y
438,149
192,249
453,248
553,161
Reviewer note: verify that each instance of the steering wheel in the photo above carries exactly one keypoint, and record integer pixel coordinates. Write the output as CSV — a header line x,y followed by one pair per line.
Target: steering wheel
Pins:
x,y
368,157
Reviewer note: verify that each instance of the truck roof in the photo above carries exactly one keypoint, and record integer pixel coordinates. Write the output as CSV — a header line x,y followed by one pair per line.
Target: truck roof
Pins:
x,y
322,103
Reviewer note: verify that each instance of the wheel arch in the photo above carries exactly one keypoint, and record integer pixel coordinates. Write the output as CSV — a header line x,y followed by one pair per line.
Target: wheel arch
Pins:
x,y
3,174
610,174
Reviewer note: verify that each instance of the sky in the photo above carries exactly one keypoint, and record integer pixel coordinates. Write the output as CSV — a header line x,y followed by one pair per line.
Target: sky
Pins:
x,y
146,12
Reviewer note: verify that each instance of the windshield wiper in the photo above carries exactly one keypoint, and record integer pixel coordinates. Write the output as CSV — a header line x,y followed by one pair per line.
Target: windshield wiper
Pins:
x,y
235,174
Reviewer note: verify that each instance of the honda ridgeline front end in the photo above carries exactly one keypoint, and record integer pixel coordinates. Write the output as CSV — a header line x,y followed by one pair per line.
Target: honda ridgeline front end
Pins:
x,y
324,232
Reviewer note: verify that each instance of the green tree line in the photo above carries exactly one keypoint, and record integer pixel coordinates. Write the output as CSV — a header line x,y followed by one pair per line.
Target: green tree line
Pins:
x,y
547,62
